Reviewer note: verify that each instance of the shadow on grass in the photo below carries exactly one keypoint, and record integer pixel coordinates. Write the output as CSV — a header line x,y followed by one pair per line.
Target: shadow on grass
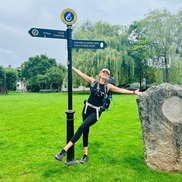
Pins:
x,y
135,162
61,171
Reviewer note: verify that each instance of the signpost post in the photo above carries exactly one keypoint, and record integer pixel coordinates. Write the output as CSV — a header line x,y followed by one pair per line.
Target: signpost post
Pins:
x,y
69,17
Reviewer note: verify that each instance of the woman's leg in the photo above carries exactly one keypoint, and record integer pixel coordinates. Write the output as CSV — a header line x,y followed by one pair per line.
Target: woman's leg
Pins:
x,y
85,150
85,145
85,141
86,134
68,146
89,121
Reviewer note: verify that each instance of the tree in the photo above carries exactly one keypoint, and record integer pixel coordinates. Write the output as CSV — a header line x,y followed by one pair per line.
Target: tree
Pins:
x,y
42,80
163,31
40,72
37,65
54,77
139,52
11,78
3,84
176,67
179,33
92,61
160,26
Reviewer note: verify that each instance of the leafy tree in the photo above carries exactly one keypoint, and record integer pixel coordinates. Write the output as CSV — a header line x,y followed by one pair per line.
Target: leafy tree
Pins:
x,y
139,52
11,78
37,65
160,26
92,61
3,84
163,32
178,38
153,76
176,66
41,80
54,77
41,72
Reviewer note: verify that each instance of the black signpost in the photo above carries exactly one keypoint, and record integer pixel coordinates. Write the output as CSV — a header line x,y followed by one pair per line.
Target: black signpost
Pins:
x,y
70,112
69,17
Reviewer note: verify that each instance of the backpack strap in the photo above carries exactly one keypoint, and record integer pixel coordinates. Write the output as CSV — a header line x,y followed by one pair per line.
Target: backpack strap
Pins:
x,y
96,83
106,90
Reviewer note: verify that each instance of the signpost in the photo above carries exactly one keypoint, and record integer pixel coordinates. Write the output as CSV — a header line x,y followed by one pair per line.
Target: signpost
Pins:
x,y
48,33
88,44
69,17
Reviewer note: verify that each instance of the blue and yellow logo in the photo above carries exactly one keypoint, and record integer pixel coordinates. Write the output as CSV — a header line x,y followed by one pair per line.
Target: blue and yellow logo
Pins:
x,y
68,16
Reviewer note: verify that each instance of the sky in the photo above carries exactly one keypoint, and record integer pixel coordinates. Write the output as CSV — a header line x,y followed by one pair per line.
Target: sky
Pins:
x,y
17,17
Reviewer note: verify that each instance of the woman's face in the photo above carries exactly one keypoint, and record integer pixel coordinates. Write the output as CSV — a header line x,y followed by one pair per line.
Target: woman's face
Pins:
x,y
104,75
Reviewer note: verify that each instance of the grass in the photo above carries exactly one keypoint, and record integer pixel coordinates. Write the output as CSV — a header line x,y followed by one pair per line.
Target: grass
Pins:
x,y
33,130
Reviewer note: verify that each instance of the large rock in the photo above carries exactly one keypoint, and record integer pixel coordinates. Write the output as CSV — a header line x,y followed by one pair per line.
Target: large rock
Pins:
x,y
160,111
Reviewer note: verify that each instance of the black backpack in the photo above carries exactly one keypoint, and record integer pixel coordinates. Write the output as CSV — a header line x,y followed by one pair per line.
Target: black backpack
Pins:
x,y
108,96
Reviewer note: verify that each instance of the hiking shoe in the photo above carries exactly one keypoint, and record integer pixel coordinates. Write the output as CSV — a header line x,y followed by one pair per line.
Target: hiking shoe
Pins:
x,y
84,159
61,155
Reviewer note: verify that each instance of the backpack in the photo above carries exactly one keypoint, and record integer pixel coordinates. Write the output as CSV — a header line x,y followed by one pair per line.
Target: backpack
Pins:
x,y
108,96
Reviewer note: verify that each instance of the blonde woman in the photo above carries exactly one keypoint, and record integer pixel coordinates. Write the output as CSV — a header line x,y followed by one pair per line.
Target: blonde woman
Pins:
x,y
93,108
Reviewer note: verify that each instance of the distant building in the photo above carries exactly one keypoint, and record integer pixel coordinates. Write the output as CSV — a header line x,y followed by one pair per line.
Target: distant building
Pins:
x,y
80,88
21,86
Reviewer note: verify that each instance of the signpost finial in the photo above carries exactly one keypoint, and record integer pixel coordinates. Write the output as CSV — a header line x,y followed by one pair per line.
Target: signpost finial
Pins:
x,y
68,16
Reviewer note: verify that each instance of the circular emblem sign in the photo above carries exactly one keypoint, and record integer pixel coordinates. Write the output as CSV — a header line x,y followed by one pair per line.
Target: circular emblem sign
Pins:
x,y
68,16
35,32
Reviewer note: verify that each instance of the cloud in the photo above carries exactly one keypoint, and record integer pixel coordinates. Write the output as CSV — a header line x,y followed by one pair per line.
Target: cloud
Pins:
x,y
8,52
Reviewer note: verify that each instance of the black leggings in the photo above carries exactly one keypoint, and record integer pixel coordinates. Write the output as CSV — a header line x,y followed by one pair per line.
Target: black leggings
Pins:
x,y
89,119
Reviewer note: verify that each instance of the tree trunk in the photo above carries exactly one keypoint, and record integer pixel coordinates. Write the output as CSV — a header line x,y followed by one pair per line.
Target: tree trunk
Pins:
x,y
3,89
141,77
51,86
166,70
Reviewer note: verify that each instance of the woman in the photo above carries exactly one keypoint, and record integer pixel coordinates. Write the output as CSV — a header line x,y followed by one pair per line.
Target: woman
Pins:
x,y
93,108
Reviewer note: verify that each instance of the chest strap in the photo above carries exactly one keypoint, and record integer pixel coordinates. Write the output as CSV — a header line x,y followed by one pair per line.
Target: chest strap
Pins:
x,y
94,107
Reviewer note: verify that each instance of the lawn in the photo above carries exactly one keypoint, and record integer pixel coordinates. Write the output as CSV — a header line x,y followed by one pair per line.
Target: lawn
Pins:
x,y
33,130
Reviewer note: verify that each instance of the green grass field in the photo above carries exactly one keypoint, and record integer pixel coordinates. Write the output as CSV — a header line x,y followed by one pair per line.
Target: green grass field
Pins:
x,y
33,130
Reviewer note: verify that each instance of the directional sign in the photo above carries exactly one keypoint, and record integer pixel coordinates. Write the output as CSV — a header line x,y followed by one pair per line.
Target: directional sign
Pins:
x,y
68,17
48,33
88,44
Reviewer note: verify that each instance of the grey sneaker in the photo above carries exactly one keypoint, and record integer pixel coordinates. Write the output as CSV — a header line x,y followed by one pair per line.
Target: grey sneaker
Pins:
x,y
61,155
84,159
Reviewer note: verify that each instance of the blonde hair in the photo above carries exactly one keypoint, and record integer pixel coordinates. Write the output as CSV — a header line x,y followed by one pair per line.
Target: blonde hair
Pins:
x,y
98,85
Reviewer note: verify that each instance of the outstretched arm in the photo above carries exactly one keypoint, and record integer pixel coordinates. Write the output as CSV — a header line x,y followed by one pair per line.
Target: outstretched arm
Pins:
x,y
122,90
83,75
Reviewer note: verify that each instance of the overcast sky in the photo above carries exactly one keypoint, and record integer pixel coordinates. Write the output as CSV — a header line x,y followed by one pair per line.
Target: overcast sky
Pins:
x,y
18,16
